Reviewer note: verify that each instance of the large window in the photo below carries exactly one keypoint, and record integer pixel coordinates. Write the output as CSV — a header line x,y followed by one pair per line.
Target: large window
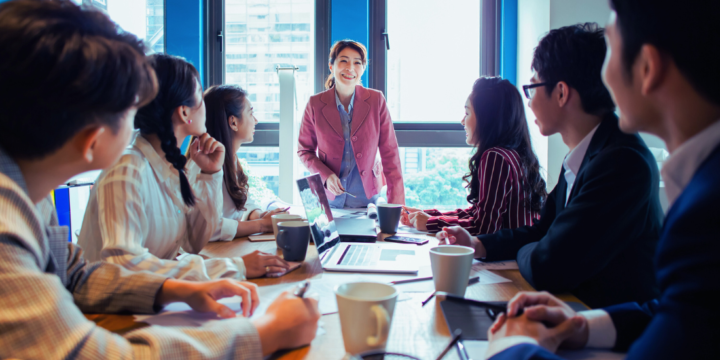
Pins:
x,y
433,177
433,59
144,18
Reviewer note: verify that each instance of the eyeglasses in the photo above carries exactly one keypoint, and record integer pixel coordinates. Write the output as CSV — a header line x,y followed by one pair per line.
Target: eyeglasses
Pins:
x,y
530,89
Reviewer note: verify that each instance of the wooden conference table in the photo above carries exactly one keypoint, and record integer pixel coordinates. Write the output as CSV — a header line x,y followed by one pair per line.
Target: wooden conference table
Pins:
x,y
416,330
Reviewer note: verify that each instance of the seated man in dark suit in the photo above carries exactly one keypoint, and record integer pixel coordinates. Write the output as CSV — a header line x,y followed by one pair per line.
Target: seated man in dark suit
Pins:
x,y
662,69
597,232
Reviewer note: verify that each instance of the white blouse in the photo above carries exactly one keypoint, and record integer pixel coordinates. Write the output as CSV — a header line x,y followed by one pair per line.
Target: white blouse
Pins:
x,y
136,218
231,217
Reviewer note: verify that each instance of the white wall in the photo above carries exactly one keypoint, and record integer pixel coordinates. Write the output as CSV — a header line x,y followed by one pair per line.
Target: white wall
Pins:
x,y
535,19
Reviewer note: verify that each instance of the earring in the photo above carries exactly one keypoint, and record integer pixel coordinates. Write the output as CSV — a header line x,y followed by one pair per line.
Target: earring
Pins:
x,y
190,122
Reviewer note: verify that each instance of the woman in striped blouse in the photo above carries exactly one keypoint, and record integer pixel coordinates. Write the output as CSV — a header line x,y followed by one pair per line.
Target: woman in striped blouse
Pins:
x,y
154,202
506,188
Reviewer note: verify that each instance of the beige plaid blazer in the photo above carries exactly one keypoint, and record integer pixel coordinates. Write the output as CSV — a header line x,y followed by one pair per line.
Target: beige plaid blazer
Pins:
x,y
46,285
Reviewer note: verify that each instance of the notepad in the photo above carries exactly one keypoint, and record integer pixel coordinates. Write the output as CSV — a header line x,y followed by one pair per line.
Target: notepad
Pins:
x,y
262,237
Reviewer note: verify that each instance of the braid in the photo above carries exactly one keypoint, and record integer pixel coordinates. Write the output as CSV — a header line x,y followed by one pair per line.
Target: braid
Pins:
x,y
168,143
177,86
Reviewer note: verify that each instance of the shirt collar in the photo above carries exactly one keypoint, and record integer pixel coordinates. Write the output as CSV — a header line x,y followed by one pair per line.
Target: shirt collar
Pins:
x,y
162,168
10,168
680,168
574,159
340,105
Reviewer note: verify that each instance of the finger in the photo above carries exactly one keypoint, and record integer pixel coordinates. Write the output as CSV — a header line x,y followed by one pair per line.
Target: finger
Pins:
x,y
566,329
553,315
499,322
451,240
312,305
208,145
222,310
254,296
275,270
273,260
525,298
413,216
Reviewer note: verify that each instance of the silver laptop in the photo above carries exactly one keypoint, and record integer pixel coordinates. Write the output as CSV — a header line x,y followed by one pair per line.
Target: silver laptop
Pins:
x,y
355,257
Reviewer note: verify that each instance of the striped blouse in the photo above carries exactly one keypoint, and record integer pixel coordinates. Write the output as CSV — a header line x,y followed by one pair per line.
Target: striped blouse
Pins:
x,y
501,200
136,218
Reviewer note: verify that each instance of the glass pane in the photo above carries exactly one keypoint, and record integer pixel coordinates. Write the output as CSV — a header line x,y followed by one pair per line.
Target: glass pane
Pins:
x,y
433,177
262,164
261,34
144,18
441,37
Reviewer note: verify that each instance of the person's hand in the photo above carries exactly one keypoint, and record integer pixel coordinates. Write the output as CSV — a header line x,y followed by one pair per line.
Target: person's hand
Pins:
x,y
334,185
549,338
256,214
288,323
456,235
546,308
419,220
258,263
203,296
411,209
266,219
207,153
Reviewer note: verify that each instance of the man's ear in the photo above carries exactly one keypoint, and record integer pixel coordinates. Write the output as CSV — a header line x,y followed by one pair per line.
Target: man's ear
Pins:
x,y
233,122
651,67
87,140
562,91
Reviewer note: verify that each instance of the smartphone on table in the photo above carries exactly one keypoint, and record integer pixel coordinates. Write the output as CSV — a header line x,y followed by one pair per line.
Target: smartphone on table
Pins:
x,y
407,240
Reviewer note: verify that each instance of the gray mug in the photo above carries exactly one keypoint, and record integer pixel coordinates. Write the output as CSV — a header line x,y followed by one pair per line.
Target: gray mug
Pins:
x,y
293,239
389,217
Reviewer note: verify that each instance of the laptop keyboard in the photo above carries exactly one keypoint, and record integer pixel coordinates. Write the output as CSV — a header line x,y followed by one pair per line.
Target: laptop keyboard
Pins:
x,y
359,255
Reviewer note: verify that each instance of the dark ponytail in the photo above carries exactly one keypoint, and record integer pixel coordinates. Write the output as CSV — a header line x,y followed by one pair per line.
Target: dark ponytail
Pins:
x,y
221,102
178,81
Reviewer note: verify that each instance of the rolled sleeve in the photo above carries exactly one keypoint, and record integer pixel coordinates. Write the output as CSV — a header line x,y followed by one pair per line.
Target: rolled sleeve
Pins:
x,y
602,333
227,231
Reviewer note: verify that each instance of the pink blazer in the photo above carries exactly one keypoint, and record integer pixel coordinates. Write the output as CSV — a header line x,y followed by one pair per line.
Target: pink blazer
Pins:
x,y
321,142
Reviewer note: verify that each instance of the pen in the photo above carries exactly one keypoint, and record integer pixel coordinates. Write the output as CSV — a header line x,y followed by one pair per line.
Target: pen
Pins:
x,y
302,289
462,352
286,209
474,280
345,192
398,282
456,337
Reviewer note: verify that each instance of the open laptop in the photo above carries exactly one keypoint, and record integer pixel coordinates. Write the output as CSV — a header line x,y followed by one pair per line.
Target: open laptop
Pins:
x,y
348,256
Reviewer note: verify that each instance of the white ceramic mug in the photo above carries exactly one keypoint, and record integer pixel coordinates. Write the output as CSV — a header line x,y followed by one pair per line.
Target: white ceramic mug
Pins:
x,y
366,311
451,266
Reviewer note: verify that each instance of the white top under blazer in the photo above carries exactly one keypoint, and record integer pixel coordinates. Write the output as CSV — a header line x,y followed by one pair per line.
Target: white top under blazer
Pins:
x,y
136,218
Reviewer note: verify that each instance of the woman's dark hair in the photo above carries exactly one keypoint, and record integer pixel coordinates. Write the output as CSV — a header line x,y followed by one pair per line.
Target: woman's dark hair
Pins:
x,y
500,122
575,54
178,81
335,52
62,69
221,102
686,32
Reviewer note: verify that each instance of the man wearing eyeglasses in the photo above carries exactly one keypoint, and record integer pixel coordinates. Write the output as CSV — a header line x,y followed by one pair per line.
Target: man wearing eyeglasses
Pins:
x,y
597,232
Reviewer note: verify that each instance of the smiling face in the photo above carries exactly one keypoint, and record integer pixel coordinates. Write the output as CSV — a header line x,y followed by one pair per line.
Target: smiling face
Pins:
x,y
348,68
245,126
469,122
545,107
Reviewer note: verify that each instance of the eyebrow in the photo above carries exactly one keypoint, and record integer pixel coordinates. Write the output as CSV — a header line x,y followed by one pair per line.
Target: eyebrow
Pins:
x,y
343,56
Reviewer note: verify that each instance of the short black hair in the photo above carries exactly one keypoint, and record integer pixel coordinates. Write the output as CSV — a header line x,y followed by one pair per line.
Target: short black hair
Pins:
x,y
686,31
63,68
575,54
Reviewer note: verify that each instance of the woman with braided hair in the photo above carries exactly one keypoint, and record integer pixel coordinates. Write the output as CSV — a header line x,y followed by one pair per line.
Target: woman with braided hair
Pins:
x,y
155,201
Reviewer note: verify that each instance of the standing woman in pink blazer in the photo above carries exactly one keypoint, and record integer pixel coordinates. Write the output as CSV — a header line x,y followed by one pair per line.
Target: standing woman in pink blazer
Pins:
x,y
343,131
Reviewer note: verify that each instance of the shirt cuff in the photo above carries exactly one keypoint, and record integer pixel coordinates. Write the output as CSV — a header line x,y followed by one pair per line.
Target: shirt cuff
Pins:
x,y
228,230
210,177
601,330
240,264
505,343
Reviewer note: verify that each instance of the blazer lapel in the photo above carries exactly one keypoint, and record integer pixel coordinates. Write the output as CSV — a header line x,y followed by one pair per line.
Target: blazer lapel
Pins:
x,y
608,127
330,111
361,108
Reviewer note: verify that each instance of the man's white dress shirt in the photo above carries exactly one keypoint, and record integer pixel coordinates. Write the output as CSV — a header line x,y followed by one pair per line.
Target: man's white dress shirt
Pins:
x,y
574,159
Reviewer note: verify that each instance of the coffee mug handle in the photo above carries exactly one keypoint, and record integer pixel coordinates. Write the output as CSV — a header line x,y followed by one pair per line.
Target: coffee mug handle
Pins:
x,y
383,326
280,236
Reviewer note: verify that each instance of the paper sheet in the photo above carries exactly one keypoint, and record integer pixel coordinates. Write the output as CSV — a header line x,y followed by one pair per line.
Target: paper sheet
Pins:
x,y
495,265
262,237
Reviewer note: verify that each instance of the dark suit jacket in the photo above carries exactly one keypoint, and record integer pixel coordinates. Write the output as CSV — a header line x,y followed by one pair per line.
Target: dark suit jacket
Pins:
x,y
684,322
600,246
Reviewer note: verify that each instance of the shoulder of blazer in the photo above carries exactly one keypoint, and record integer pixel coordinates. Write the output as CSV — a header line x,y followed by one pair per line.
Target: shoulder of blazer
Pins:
x,y
322,99
367,94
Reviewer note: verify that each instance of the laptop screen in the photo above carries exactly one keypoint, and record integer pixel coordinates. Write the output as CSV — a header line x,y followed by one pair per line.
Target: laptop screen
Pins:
x,y
317,210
